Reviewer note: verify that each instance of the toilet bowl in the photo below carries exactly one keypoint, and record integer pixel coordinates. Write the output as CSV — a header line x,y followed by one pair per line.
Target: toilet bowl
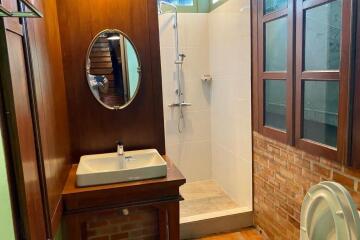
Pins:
x,y
328,212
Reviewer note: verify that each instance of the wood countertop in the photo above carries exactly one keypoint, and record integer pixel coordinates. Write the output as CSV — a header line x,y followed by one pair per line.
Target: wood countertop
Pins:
x,y
79,199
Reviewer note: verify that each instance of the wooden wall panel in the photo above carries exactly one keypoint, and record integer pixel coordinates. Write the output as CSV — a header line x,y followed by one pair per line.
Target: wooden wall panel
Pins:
x,y
93,128
45,47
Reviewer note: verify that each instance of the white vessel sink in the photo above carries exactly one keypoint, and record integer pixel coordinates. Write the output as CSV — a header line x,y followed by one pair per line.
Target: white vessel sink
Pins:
x,y
108,168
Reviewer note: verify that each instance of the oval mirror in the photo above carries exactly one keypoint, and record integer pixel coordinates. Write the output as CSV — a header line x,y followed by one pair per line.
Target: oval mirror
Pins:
x,y
113,69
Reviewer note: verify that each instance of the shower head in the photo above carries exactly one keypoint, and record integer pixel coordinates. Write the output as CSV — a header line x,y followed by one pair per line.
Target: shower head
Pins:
x,y
169,5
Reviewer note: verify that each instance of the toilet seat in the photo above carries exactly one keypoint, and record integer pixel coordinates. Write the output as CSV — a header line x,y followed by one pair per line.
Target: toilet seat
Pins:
x,y
350,208
328,212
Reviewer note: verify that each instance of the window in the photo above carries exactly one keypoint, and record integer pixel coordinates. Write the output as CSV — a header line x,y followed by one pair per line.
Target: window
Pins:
x,y
302,74
322,37
275,77
320,110
181,2
185,6
274,5
275,104
322,82
276,45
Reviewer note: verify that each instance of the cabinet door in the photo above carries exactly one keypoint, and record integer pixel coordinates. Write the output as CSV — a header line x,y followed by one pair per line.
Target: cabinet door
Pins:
x,y
158,221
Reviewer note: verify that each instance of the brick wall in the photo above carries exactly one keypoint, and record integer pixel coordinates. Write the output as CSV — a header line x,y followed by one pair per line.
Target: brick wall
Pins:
x,y
141,223
282,176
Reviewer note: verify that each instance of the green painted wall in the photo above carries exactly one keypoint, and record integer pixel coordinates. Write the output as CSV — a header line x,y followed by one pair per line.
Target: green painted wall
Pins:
x,y
6,220
59,234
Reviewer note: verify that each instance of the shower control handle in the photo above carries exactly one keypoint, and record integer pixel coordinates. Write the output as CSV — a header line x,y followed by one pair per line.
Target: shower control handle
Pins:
x,y
180,104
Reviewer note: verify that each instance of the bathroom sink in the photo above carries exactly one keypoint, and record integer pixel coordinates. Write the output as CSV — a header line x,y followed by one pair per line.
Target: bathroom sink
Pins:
x,y
109,168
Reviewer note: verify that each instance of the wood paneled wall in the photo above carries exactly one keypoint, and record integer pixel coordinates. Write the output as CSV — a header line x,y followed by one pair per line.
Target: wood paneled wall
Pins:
x,y
93,128
48,77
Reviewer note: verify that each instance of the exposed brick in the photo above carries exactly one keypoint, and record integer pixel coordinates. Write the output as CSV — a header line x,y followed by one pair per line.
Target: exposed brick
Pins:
x,y
309,157
311,176
302,162
113,225
97,224
294,222
100,238
282,176
286,173
352,172
120,236
331,164
356,197
294,168
344,180
273,150
324,172
129,226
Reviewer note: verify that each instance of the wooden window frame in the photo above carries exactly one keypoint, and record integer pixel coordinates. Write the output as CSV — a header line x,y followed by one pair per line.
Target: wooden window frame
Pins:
x,y
354,161
262,75
340,152
295,77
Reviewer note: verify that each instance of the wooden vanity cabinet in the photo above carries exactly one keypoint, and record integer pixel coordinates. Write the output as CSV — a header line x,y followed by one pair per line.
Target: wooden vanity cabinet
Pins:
x,y
146,209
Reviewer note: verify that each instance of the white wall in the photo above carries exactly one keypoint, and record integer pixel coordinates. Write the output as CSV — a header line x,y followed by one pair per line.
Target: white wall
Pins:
x,y
216,143
191,150
230,65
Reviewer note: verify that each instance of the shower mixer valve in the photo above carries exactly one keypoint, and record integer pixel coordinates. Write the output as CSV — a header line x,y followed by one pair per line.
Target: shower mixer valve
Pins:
x,y
181,58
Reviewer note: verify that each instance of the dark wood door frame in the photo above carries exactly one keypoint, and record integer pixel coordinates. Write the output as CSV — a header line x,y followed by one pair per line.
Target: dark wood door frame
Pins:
x,y
18,124
37,135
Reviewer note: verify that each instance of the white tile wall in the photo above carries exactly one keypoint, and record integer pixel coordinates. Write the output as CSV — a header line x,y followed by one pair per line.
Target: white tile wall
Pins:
x,y
230,66
216,143
190,150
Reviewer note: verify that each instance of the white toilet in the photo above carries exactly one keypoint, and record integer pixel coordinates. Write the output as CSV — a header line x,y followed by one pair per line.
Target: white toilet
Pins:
x,y
328,212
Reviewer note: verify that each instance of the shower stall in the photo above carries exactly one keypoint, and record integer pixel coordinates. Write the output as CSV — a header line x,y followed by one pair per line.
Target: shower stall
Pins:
x,y
207,113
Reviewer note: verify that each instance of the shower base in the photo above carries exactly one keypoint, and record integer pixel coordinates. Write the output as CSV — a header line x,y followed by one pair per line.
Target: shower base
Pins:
x,y
207,209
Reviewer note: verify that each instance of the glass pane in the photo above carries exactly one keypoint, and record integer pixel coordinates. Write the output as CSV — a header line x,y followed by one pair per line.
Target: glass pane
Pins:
x,y
320,113
274,5
322,36
276,45
275,104
181,2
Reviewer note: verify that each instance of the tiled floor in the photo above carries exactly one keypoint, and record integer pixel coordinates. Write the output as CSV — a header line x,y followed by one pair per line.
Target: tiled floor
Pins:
x,y
246,234
204,197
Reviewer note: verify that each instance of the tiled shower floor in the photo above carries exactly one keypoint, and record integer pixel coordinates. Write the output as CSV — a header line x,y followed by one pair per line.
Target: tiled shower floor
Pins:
x,y
204,197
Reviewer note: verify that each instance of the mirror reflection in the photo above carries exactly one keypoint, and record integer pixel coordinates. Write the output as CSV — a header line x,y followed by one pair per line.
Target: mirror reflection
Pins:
x,y
113,69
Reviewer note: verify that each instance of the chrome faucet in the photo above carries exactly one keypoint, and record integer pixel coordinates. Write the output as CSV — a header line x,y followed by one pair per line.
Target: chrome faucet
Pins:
x,y
121,153
120,148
